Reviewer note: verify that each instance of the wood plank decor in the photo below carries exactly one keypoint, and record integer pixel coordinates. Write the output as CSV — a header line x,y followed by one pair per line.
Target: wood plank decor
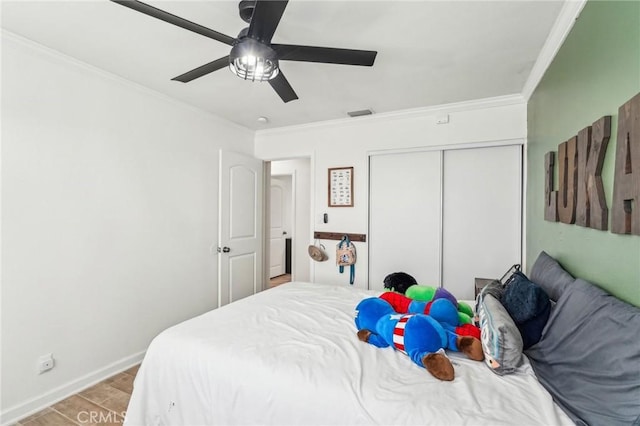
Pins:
x,y
551,196
580,198
591,206
626,185
568,166
338,236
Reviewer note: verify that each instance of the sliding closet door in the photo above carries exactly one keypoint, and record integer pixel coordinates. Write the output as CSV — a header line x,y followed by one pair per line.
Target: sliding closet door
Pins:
x,y
482,215
404,216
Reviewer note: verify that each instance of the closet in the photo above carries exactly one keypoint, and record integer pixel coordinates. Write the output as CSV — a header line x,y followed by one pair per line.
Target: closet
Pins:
x,y
445,216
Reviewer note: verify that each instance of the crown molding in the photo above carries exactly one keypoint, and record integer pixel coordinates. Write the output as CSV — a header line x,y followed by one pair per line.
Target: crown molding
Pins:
x,y
498,101
561,28
60,57
559,32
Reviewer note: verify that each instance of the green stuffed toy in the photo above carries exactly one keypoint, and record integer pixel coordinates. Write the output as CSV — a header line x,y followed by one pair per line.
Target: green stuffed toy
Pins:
x,y
425,293
404,283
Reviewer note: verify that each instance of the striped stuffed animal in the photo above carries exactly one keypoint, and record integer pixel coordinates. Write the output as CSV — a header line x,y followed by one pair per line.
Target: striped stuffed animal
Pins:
x,y
419,336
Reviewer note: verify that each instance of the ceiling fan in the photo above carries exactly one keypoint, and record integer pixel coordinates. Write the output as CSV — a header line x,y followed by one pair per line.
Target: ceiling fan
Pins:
x,y
253,56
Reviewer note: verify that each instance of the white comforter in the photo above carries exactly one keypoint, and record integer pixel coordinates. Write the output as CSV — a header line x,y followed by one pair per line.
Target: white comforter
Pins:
x,y
290,356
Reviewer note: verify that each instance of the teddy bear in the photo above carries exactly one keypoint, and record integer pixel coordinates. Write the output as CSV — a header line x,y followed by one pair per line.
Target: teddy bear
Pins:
x,y
419,336
403,283
442,310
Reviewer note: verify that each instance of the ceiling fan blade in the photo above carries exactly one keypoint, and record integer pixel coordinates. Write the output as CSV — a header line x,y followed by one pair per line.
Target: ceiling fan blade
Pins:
x,y
175,20
329,55
203,70
265,19
283,88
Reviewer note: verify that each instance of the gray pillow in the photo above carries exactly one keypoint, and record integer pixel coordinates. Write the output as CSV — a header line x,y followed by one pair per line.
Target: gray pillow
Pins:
x,y
548,274
501,340
589,356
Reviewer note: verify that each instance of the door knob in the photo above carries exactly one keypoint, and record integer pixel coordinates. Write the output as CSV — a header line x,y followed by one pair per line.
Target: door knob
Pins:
x,y
224,249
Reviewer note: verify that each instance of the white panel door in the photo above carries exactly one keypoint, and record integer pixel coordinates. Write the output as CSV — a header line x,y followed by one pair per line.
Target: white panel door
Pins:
x,y
404,216
277,240
240,227
482,215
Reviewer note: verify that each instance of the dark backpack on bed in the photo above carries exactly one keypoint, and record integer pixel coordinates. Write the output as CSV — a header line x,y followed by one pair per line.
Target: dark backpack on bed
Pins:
x,y
528,305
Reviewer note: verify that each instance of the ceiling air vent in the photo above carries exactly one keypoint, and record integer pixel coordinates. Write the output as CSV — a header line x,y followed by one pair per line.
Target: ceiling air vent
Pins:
x,y
360,113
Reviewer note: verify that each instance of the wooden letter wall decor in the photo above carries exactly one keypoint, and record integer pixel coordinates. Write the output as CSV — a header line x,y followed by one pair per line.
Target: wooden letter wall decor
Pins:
x,y
580,198
626,186
568,164
550,196
591,206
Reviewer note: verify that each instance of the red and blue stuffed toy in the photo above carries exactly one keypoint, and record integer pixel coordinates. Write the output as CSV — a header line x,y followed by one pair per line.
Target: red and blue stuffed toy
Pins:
x,y
444,312
421,330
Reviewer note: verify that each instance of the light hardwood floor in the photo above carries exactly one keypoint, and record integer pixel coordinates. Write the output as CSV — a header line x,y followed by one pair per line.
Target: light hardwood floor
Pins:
x,y
280,279
102,404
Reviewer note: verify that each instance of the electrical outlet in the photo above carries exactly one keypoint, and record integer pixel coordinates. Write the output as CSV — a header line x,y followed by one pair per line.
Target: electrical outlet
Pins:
x,y
45,363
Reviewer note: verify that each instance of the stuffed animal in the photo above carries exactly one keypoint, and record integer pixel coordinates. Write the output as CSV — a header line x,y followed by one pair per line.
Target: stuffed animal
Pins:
x,y
403,283
419,336
399,282
443,310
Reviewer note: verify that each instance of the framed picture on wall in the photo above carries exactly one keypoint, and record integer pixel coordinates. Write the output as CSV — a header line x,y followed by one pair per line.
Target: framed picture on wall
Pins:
x,y
341,187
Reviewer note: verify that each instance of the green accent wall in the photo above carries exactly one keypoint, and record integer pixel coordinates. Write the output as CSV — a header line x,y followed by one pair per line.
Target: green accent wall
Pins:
x,y
596,70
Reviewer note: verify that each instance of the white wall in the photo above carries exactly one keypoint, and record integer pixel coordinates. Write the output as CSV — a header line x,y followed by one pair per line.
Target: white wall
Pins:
x,y
109,207
348,143
300,170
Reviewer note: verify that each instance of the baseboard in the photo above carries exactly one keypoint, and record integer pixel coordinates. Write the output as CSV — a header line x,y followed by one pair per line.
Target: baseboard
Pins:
x,y
20,411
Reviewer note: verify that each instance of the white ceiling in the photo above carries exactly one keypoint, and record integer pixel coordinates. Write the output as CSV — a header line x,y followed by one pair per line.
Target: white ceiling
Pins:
x,y
429,52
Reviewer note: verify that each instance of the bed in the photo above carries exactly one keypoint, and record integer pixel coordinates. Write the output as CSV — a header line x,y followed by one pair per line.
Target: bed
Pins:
x,y
290,356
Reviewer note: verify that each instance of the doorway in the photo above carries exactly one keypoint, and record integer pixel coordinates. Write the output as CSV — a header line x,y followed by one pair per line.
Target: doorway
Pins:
x,y
290,220
281,205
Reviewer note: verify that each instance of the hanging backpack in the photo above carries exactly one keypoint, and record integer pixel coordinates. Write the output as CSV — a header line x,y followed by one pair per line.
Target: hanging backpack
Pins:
x,y
346,256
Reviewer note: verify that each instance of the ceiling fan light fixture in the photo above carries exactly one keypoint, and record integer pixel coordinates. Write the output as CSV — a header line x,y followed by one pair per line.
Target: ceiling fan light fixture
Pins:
x,y
252,60
254,68
252,55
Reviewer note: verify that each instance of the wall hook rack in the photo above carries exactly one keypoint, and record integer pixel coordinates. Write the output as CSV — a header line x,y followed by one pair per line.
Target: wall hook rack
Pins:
x,y
338,236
